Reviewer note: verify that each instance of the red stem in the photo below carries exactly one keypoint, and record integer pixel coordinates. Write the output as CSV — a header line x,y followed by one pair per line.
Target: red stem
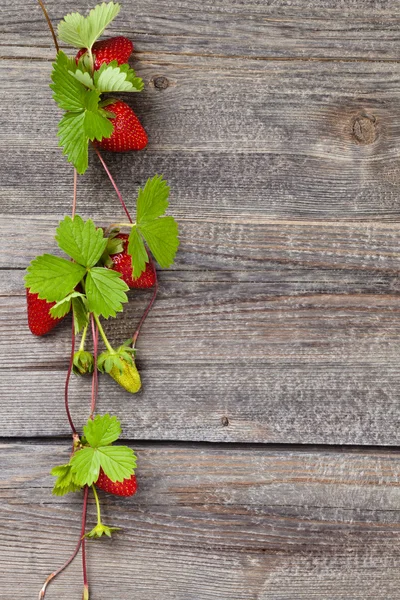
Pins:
x,y
95,334
84,565
46,15
75,552
149,306
67,380
113,183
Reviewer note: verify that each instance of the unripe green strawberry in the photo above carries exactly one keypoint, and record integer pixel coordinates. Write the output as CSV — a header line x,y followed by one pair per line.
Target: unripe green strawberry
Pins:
x,y
129,379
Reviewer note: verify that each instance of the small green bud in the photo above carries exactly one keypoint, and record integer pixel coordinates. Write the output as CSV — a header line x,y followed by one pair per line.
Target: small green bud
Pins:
x,y
83,362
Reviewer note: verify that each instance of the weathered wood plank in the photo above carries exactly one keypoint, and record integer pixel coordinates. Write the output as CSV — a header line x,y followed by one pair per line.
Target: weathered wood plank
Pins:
x,y
361,29
305,356
208,523
279,141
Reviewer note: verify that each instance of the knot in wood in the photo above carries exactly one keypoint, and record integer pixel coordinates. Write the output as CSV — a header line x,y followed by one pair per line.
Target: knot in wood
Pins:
x,y
224,421
364,129
161,82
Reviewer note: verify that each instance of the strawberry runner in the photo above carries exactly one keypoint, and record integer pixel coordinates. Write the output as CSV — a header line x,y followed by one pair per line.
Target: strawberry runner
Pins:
x,y
101,265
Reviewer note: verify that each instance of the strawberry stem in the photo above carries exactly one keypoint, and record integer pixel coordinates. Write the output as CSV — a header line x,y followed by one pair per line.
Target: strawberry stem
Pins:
x,y
96,497
149,306
103,335
75,552
46,15
67,380
113,183
83,339
95,334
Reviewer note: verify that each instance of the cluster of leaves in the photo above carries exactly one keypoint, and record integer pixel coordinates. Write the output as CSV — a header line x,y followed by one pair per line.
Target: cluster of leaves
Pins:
x,y
84,284
77,88
95,452
55,279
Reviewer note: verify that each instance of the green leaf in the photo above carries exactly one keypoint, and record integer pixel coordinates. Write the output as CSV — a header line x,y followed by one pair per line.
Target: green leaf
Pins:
x,y
161,236
152,201
105,292
138,252
81,314
102,430
83,77
159,232
114,78
82,32
63,307
85,465
97,125
81,240
117,462
68,91
53,277
65,481
74,140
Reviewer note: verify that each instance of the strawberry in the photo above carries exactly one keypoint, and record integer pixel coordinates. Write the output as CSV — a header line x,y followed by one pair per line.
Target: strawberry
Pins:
x,y
128,132
39,319
115,48
122,263
127,487
129,379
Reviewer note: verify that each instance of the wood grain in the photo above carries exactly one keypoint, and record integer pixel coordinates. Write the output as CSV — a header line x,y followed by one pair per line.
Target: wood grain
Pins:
x,y
289,141
211,522
363,29
302,357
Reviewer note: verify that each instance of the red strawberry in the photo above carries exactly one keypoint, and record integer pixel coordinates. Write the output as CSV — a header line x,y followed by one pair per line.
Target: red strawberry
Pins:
x,y
115,48
127,487
39,319
123,264
128,132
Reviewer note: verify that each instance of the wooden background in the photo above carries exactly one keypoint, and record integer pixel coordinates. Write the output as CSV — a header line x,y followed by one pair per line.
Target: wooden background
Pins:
x,y
268,427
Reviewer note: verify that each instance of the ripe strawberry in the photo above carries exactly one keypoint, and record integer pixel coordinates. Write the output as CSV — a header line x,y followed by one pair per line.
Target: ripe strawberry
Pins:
x,y
115,48
39,319
122,263
127,487
128,132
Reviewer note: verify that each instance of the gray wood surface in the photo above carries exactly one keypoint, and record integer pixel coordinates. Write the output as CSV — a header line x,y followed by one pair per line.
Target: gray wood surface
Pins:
x,y
299,361
362,29
277,124
211,523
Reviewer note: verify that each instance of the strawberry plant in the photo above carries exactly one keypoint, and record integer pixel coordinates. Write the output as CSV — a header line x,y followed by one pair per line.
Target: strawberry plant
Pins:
x,y
98,265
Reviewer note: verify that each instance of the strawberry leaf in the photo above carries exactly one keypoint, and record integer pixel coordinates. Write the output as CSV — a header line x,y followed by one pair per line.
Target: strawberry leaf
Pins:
x,y
114,78
82,32
63,307
68,92
85,465
117,462
52,277
159,232
161,236
73,139
102,430
105,292
83,77
137,251
81,240
65,481
152,201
